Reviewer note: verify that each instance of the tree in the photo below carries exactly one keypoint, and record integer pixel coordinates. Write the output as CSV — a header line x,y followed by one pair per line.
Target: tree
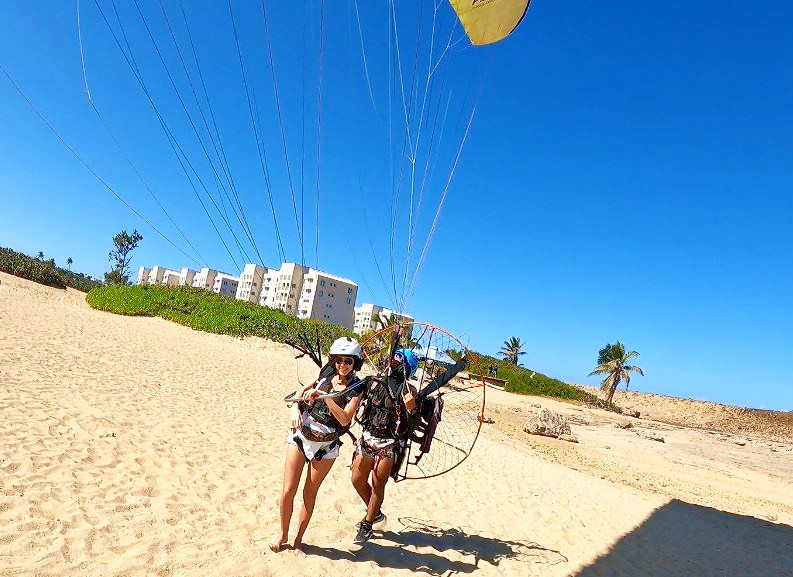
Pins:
x,y
40,256
384,320
511,350
613,362
120,256
69,262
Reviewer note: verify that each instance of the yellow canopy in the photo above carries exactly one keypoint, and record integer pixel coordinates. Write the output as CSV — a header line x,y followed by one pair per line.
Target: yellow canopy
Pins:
x,y
488,21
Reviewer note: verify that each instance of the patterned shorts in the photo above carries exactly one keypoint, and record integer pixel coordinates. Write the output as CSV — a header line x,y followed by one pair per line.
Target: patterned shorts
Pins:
x,y
377,447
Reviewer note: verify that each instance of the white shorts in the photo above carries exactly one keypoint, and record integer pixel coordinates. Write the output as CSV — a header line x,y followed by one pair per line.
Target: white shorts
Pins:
x,y
310,448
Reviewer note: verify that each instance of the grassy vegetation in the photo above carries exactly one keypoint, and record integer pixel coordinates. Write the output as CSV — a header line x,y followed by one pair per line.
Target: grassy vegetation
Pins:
x,y
528,382
43,271
210,312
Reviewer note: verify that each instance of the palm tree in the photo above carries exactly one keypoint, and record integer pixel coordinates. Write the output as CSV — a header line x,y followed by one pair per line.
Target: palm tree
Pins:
x,y
69,262
511,350
40,256
613,362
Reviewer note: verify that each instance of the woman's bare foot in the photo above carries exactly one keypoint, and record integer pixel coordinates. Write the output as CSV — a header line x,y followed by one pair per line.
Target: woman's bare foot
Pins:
x,y
297,549
277,545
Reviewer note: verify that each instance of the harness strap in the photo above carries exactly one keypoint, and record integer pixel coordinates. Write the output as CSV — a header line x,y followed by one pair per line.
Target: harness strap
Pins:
x,y
319,454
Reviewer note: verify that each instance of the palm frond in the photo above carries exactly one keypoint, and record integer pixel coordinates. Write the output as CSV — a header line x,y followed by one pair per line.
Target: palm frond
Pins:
x,y
634,368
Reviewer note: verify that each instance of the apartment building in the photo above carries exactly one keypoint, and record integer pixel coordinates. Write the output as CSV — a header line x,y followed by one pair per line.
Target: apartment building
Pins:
x,y
170,277
155,275
226,284
294,289
186,277
368,317
251,282
280,288
143,275
309,294
328,298
205,278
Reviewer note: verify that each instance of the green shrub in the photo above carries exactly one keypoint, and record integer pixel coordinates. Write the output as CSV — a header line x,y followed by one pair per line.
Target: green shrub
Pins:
x,y
528,382
77,280
210,312
23,266
42,271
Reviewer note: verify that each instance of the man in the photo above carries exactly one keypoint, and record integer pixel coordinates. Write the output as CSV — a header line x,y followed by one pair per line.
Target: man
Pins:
x,y
389,408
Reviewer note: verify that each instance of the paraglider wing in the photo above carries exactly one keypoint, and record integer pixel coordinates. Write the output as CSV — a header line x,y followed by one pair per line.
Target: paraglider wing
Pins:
x,y
435,355
488,21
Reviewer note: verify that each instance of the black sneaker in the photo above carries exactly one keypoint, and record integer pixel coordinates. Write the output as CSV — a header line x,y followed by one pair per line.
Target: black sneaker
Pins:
x,y
376,521
364,532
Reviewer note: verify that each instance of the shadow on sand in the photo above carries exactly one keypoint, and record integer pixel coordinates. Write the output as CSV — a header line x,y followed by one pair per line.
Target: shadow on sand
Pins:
x,y
391,551
681,539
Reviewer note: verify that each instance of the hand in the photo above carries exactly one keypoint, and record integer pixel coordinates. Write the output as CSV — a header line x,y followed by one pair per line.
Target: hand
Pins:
x,y
310,395
410,401
297,417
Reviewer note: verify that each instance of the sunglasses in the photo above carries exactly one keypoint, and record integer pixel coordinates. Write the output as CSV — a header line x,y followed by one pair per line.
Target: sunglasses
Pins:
x,y
345,360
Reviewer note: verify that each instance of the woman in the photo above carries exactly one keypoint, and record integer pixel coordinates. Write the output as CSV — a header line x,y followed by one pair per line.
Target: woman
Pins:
x,y
314,439
389,407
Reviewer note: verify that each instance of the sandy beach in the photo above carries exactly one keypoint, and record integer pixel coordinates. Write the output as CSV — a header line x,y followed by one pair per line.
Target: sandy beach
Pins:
x,y
135,446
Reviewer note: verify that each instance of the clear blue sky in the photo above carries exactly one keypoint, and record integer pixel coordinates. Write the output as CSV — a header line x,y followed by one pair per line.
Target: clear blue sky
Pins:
x,y
628,173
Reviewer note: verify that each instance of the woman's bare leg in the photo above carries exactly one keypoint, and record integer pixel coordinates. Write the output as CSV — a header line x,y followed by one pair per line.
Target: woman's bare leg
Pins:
x,y
361,467
380,475
317,471
293,468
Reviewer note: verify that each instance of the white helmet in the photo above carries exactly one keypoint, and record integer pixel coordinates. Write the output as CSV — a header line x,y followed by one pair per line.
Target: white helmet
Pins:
x,y
347,347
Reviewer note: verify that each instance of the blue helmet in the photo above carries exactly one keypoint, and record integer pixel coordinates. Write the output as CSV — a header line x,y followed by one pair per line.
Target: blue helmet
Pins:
x,y
409,359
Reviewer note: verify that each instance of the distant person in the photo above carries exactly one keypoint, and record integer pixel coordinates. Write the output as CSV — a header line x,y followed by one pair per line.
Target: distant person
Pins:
x,y
388,407
314,439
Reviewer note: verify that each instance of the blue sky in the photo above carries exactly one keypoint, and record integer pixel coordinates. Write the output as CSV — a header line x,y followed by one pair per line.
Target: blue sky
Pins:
x,y
627,173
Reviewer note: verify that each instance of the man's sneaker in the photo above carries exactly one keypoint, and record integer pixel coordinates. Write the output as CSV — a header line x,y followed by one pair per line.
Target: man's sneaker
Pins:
x,y
380,518
364,532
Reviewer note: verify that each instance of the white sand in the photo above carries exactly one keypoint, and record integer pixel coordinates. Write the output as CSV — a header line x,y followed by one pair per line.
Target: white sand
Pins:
x,y
135,446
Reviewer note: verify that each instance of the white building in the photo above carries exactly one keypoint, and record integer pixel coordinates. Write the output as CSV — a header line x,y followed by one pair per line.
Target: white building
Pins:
x,y
251,281
333,298
155,275
143,275
170,277
205,278
226,284
294,289
310,294
280,288
186,277
368,317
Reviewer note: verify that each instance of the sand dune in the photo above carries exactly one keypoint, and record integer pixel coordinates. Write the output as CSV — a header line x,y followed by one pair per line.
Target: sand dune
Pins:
x,y
134,446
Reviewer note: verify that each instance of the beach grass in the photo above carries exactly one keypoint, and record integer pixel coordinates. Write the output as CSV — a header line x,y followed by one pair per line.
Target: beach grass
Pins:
x,y
210,312
43,271
528,382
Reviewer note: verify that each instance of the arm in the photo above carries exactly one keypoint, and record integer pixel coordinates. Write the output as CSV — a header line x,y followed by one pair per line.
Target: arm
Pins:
x,y
409,398
309,391
296,412
343,415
